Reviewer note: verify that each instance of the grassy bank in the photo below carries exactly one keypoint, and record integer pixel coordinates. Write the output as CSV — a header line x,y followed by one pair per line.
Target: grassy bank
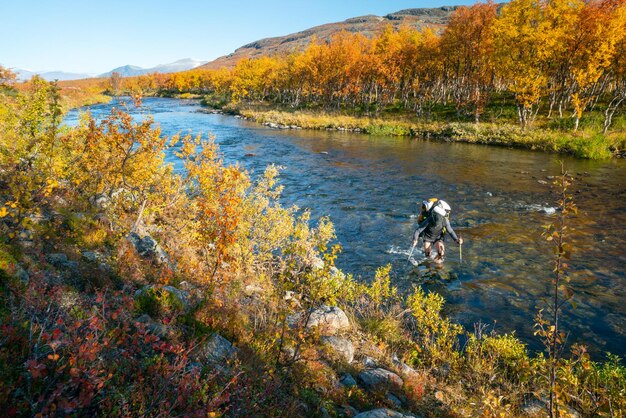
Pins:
x,y
586,143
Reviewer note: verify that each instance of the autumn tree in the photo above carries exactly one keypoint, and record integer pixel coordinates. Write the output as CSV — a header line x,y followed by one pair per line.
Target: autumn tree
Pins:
x,y
7,78
115,83
523,46
467,47
616,87
601,28
30,154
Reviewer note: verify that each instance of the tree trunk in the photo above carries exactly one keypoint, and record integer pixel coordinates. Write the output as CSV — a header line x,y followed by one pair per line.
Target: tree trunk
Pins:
x,y
610,111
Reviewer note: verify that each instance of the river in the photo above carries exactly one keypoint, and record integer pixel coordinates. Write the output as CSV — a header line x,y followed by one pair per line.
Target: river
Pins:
x,y
370,187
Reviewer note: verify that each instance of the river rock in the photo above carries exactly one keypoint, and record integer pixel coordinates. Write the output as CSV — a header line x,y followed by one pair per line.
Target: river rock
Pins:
x,y
218,349
341,346
376,379
147,247
383,413
329,319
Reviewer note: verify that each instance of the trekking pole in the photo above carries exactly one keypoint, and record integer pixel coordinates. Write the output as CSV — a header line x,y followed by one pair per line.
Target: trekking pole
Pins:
x,y
411,252
461,252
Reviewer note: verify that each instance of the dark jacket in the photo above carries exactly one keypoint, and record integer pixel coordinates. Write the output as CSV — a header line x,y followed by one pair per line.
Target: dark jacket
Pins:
x,y
434,228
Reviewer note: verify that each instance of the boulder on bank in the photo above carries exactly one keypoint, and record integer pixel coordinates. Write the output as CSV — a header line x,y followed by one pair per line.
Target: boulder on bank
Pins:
x,y
383,413
369,362
340,346
60,260
218,349
329,319
379,379
404,368
147,247
347,380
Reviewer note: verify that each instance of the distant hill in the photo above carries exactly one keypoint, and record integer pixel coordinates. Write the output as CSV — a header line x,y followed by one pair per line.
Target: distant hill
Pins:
x,y
125,71
173,67
23,75
369,25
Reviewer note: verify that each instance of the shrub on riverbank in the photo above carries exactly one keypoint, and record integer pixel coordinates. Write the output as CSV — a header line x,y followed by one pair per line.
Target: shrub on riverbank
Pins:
x,y
128,289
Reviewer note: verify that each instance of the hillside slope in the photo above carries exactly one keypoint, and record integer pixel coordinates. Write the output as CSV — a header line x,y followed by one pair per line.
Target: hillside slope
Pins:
x,y
368,25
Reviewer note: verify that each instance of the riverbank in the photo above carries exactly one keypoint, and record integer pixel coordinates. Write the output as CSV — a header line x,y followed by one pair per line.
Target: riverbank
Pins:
x,y
582,144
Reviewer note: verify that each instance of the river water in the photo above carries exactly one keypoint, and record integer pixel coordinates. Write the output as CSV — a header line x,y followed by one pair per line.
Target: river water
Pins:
x,y
370,187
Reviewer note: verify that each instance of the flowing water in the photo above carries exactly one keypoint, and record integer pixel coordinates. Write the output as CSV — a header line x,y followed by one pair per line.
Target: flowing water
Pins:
x,y
500,198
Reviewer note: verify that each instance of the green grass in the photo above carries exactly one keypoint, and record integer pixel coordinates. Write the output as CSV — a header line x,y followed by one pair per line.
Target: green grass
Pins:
x,y
551,135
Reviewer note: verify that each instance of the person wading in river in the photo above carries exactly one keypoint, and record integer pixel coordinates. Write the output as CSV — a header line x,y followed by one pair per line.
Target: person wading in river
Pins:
x,y
434,228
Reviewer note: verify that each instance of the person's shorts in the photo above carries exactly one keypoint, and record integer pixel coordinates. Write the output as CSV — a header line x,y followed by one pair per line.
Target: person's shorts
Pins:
x,y
434,240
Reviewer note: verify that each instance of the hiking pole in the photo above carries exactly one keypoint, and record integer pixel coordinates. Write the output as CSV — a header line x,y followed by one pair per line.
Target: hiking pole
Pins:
x,y
461,252
411,252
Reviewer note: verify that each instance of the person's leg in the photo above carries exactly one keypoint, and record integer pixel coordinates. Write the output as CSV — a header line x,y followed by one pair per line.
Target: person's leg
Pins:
x,y
441,250
427,248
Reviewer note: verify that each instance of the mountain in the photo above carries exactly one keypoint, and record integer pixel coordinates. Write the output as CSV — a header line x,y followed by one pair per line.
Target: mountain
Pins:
x,y
369,25
173,67
23,75
125,71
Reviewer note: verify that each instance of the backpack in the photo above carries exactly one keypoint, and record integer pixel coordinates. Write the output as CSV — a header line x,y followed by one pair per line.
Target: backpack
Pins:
x,y
426,208
438,214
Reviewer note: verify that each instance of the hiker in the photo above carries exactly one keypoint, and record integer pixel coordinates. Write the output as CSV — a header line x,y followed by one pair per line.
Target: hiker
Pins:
x,y
434,228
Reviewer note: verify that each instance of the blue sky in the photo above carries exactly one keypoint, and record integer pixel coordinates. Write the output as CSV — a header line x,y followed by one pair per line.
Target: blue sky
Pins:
x,y
96,36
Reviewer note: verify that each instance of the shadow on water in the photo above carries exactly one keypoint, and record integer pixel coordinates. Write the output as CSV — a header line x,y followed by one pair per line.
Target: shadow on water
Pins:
x,y
370,187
